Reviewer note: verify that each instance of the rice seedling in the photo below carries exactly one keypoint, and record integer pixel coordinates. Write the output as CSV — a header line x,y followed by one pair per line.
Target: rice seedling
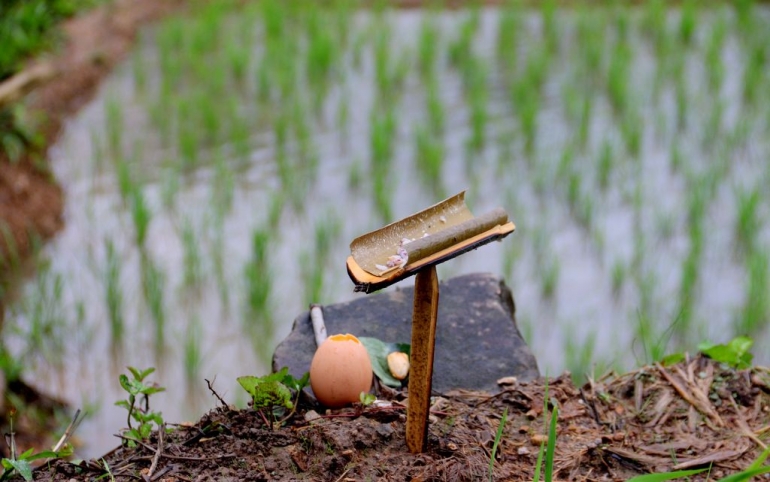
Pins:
x,y
549,276
435,107
141,215
460,48
259,282
478,102
755,311
713,56
747,223
192,352
619,274
193,271
605,165
507,36
429,160
550,26
44,331
429,40
153,287
217,255
754,73
113,295
688,21
619,77
580,356
115,127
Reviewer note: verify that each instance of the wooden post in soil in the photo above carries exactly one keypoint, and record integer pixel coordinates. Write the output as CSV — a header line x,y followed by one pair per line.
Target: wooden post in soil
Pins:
x,y
414,246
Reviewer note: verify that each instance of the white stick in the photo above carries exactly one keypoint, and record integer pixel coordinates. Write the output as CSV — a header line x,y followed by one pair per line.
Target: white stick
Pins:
x,y
319,328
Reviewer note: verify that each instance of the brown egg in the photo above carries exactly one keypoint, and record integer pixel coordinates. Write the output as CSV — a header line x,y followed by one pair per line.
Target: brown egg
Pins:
x,y
340,371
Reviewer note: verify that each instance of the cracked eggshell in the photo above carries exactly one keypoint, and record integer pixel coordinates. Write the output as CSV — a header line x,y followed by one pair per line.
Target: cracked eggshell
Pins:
x,y
340,371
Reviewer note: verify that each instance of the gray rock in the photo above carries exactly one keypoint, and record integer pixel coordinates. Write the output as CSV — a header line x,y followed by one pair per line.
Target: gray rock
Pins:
x,y
477,340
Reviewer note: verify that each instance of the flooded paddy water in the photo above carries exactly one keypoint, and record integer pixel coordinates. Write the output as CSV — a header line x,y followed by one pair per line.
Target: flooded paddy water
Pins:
x,y
214,185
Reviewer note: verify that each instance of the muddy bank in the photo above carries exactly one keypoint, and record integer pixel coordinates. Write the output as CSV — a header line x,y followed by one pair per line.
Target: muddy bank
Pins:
x,y
31,201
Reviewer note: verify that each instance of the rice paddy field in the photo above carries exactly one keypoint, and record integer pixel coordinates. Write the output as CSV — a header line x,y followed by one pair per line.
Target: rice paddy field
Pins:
x,y
215,183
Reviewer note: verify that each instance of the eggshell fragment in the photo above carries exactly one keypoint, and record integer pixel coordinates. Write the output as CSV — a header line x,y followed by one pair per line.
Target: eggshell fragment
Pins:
x,y
340,371
398,364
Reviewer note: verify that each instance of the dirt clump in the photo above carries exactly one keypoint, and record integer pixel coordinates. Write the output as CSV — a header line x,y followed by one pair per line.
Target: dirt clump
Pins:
x,y
695,414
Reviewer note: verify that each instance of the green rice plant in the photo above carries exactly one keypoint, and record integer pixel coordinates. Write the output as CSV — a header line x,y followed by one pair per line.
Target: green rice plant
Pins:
x,y
10,259
427,46
223,188
619,77
217,255
259,284
619,274
258,273
755,311
435,107
115,126
141,215
549,277
429,160
688,21
43,334
153,288
579,356
754,73
550,26
631,127
460,48
713,56
676,160
275,208
139,68
508,36
192,352
584,130
193,272
125,181
113,295
478,103
747,221
605,165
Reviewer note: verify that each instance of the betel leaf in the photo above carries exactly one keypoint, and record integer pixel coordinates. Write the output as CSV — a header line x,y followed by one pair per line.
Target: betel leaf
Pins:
x,y
378,354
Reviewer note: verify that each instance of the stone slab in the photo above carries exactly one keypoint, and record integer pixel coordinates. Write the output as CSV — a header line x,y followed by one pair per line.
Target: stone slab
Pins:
x,y
477,340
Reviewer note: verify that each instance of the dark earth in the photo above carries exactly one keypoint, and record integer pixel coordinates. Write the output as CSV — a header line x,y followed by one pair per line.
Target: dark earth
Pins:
x,y
696,414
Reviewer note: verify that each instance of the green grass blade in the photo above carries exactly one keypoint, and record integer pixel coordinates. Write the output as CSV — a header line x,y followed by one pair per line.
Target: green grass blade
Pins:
x,y
539,463
666,476
498,436
746,474
551,445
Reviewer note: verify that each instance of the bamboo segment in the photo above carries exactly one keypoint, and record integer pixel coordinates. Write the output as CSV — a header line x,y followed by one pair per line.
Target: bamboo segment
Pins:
x,y
424,319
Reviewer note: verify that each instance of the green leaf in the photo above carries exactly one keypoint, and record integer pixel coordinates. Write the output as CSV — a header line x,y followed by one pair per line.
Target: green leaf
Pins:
x,y
735,353
549,451
140,375
746,474
666,476
292,382
266,392
366,398
378,355
22,467
672,359
26,454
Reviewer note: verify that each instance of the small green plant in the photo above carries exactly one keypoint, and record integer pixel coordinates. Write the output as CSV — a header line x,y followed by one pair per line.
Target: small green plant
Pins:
x,y
272,392
21,464
139,410
735,353
366,399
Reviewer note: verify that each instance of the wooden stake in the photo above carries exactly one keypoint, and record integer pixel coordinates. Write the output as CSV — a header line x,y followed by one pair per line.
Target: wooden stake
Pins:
x,y
424,319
